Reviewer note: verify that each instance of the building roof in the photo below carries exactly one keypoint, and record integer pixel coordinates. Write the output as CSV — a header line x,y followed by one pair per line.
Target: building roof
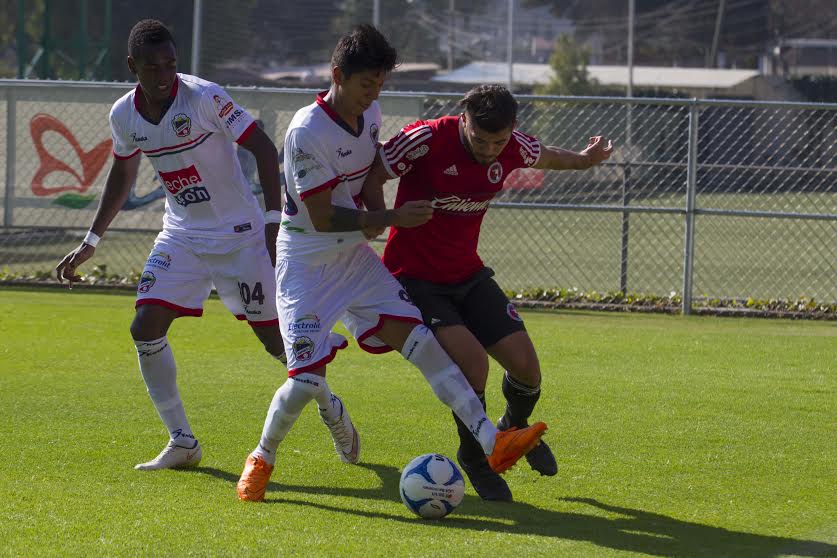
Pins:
x,y
644,76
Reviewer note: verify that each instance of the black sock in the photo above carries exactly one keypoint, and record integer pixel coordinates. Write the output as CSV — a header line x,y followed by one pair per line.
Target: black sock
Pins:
x,y
520,401
469,448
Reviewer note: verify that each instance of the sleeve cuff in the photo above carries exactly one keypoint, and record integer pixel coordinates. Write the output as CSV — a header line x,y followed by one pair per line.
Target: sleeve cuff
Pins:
x,y
328,185
387,167
123,157
246,133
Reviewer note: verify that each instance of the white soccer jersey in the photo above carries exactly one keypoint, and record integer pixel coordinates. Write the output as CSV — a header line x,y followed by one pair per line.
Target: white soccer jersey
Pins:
x,y
322,152
191,149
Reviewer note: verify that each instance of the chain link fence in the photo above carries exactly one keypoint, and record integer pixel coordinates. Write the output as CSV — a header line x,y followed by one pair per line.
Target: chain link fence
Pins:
x,y
703,199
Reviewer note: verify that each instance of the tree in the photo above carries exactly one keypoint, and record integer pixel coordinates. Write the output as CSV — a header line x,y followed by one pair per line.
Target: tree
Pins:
x,y
569,62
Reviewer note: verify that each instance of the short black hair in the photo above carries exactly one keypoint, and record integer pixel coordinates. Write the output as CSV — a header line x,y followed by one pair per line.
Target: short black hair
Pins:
x,y
148,32
492,107
364,48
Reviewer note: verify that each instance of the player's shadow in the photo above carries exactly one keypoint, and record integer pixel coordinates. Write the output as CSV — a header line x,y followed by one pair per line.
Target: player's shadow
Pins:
x,y
632,530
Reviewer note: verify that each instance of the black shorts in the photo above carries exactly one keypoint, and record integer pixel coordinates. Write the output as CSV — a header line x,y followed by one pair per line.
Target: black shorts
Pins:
x,y
478,303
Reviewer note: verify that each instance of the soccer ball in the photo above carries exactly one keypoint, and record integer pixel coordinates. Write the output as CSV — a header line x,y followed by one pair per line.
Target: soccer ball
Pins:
x,y
432,486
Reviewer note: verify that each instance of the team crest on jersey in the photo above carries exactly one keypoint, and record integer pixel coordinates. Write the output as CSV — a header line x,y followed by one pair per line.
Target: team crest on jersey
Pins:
x,y
402,294
147,280
495,172
303,348
373,132
512,312
182,125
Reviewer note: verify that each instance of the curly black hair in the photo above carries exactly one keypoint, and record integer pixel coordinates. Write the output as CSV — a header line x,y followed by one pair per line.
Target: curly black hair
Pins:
x,y
364,48
148,32
492,107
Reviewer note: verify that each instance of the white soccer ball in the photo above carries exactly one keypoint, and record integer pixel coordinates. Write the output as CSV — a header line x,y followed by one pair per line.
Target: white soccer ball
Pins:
x,y
432,486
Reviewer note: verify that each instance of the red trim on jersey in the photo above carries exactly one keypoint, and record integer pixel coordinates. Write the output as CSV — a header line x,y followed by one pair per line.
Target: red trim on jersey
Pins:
x,y
356,174
330,184
174,146
320,363
123,157
182,310
264,323
321,102
373,330
246,133
257,323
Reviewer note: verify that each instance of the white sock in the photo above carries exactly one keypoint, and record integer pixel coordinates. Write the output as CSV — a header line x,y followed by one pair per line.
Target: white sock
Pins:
x,y
325,404
288,402
159,371
449,384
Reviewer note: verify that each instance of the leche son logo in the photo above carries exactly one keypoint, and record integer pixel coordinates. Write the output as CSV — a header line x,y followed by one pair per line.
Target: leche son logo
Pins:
x,y
183,185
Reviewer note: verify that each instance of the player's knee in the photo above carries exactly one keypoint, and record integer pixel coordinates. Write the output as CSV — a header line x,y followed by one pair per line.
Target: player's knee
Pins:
x,y
271,340
526,368
150,323
141,329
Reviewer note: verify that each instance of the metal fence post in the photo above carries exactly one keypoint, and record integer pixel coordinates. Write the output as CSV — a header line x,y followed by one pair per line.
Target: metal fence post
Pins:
x,y
11,127
691,188
626,217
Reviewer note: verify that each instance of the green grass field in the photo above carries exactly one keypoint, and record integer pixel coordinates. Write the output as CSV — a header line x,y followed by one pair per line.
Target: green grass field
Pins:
x,y
675,437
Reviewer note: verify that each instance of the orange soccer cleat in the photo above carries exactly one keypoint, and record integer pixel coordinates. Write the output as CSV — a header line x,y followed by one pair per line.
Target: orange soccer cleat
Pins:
x,y
512,444
253,482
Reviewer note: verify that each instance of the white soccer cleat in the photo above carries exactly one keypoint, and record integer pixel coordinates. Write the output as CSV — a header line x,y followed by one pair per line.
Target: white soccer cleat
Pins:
x,y
173,457
343,432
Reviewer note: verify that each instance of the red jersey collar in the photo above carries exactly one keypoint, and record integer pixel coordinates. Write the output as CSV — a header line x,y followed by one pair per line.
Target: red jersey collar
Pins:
x,y
321,102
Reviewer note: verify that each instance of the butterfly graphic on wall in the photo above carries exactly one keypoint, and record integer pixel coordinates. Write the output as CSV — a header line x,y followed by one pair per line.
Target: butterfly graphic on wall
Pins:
x,y
74,185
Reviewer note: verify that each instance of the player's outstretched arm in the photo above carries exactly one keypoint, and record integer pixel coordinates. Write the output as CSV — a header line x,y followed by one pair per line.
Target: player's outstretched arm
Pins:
x,y
122,175
267,164
598,149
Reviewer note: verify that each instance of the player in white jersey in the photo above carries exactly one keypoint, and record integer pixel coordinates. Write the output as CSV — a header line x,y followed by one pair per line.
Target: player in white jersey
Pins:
x,y
327,272
213,230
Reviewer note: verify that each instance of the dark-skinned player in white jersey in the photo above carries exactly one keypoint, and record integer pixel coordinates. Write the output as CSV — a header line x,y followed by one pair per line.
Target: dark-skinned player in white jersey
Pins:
x,y
459,163
214,233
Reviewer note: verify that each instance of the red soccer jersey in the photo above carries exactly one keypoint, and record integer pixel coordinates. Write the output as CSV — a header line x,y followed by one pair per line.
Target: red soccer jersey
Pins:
x,y
432,162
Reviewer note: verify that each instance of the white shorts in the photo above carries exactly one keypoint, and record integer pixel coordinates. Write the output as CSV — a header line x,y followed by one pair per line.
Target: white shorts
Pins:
x,y
355,288
181,271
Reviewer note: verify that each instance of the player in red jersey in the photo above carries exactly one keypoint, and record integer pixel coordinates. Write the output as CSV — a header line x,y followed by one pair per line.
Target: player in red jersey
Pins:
x,y
460,163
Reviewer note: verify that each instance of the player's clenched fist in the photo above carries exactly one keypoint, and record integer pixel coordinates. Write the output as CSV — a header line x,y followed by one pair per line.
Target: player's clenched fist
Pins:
x,y
413,213
67,268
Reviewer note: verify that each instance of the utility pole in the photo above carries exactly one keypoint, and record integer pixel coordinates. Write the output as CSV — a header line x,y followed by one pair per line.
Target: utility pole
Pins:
x,y
719,19
631,9
510,44
376,14
451,24
197,15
